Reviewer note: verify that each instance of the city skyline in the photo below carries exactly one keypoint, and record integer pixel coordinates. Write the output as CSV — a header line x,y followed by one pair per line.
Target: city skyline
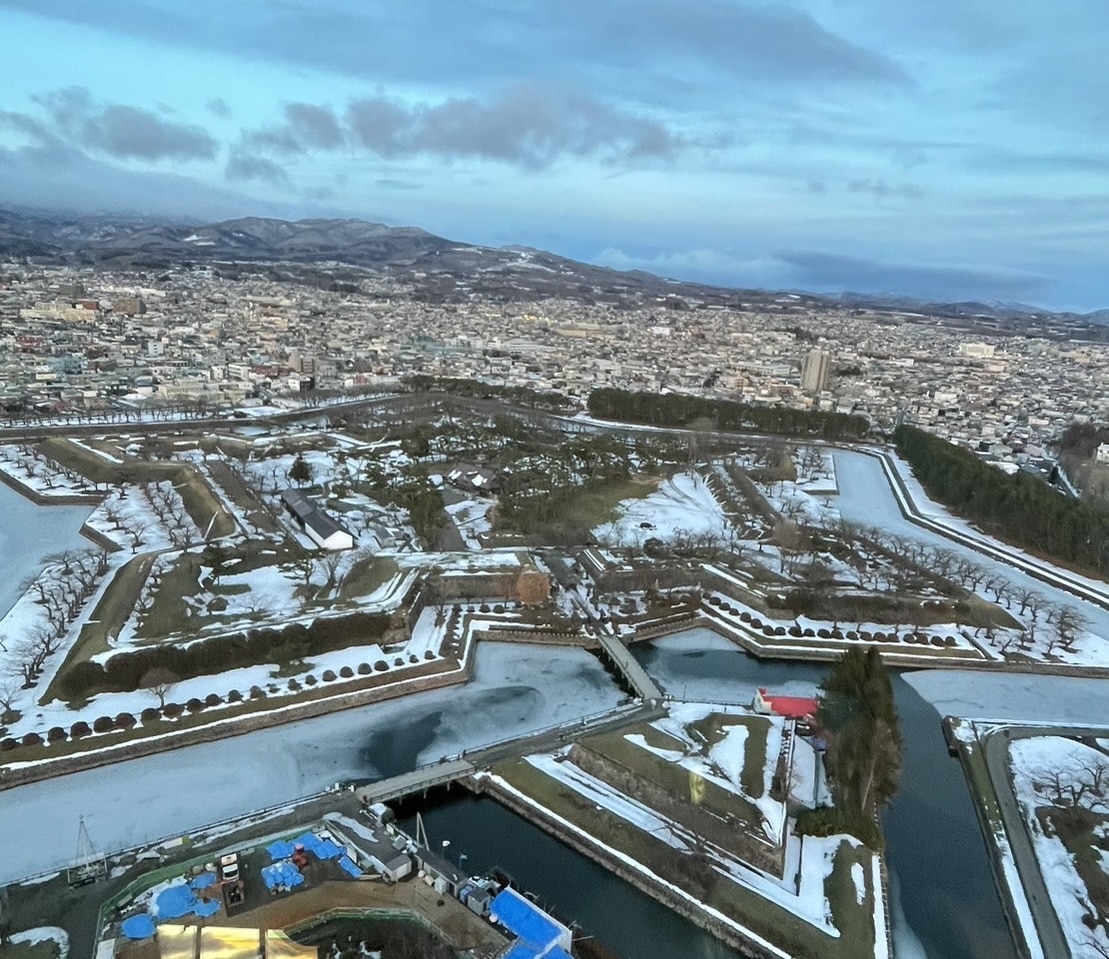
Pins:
x,y
870,147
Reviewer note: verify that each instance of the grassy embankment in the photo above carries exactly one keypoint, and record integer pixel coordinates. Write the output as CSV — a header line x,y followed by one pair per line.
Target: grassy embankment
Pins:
x,y
692,873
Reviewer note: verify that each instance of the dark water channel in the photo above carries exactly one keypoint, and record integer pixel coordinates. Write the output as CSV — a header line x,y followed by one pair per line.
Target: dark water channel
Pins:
x,y
947,907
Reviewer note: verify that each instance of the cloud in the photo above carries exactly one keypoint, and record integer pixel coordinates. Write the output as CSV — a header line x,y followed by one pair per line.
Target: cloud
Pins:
x,y
674,49
882,190
250,166
526,126
831,271
124,132
219,107
392,183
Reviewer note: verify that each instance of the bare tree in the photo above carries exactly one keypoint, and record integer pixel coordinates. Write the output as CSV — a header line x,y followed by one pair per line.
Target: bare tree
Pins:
x,y
159,680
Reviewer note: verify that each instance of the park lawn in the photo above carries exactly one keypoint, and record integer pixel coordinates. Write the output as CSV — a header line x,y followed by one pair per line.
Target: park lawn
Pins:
x,y
693,874
367,575
212,518
88,464
675,778
107,619
239,494
854,921
710,731
599,503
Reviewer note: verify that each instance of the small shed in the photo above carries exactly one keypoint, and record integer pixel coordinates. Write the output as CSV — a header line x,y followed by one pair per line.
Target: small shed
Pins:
x,y
800,708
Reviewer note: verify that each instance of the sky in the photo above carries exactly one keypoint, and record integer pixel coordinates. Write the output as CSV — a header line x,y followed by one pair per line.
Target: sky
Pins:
x,y
950,149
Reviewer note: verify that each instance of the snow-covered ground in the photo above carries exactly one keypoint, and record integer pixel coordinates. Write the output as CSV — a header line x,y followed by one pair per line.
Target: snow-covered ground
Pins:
x,y
866,498
515,689
471,518
1049,770
682,506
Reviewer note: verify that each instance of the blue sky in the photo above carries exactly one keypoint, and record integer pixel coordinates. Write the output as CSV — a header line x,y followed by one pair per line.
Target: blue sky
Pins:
x,y
948,149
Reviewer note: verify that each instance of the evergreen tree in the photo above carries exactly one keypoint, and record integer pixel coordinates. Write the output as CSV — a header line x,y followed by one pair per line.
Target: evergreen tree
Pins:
x,y
857,712
300,472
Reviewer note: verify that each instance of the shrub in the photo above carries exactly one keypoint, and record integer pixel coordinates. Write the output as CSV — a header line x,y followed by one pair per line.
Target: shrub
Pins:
x,y
346,672
7,744
310,680
125,720
56,734
79,730
32,739
428,654
194,705
780,631
714,600
150,714
381,665
413,658
827,821
172,710
949,641
809,632
484,608
364,669
234,696
745,616
823,634
329,676
851,634
756,623
399,661
102,724
795,631
212,699
498,608
257,692
294,684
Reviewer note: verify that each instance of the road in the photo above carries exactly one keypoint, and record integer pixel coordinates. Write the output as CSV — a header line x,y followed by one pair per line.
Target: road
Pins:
x,y
995,747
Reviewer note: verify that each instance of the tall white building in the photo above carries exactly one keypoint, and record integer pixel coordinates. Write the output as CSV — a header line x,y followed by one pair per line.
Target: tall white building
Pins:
x,y
815,371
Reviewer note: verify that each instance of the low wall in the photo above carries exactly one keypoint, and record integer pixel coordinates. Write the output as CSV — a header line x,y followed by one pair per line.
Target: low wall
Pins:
x,y
226,727
645,882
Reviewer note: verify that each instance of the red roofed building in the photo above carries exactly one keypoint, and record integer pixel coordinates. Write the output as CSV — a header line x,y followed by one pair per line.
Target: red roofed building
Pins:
x,y
801,708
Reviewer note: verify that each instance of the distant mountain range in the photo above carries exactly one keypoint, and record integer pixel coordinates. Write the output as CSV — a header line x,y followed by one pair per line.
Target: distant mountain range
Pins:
x,y
447,268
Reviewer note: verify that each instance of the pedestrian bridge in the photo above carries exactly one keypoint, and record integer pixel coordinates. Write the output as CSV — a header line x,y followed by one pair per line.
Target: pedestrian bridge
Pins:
x,y
624,661
418,780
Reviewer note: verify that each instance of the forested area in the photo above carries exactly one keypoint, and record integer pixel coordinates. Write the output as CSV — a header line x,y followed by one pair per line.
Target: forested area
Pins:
x,y
1021,509
677,410
462,386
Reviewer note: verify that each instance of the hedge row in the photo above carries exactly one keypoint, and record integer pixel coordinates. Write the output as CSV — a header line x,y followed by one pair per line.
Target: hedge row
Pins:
x,y
124,671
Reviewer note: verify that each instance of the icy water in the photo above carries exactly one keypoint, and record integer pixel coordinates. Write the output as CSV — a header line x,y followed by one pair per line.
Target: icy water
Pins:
x,y
29,534
946,905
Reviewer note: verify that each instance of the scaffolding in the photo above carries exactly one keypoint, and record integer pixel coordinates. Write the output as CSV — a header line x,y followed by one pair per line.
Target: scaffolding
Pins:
x,y
89,866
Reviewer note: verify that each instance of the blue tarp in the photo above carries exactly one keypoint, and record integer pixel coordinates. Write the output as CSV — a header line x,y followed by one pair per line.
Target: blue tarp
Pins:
x,y
282,873
522,950
204,880
282,849
209,908
176,902
349,867
139,927
328,850
558,953
527,921
308,840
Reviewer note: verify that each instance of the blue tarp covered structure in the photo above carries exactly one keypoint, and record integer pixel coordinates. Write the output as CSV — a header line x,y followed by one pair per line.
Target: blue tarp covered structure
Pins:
x,y
139,927
203,881
349,867
281,874
526,920
282,849
326,849
176,902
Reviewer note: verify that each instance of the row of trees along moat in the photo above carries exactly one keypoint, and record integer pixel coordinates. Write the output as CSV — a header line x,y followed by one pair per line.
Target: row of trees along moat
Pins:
x,y
677,410
1021,509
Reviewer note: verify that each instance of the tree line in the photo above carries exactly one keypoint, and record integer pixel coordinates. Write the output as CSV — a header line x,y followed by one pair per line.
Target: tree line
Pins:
x,y
679,410
124,672
1021,509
